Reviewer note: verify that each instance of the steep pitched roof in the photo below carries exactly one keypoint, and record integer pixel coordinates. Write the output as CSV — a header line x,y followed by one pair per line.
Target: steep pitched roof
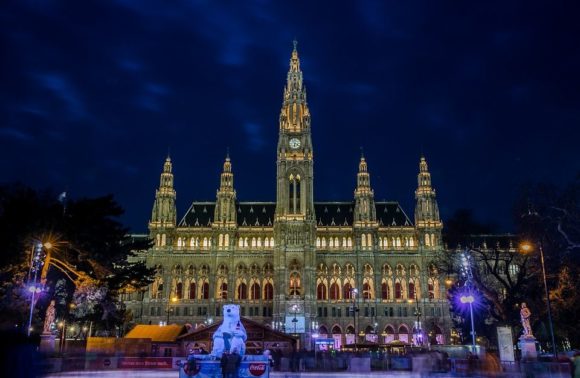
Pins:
x,y
261,214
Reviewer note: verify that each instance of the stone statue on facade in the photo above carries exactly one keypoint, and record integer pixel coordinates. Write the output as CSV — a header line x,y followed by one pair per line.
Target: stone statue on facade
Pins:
x,y
525,314
49,318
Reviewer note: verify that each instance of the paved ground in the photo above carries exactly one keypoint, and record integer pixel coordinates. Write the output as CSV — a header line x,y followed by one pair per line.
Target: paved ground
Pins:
x,y
175,374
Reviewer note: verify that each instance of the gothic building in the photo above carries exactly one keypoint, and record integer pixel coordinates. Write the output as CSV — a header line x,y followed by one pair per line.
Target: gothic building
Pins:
x,y
299,265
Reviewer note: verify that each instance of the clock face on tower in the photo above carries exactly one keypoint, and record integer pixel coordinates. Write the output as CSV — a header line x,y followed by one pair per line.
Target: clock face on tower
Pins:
x,y
294,143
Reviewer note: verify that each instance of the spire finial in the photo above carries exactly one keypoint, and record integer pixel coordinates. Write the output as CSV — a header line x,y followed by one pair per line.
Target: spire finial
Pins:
x,y
228,152
362,152
295,43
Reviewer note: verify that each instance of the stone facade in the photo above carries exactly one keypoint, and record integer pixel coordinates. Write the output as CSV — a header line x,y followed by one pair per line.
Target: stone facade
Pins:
x,y
298,265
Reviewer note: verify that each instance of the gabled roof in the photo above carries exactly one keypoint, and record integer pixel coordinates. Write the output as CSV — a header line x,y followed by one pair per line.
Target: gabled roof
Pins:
x,y
157,333
249,324
328,214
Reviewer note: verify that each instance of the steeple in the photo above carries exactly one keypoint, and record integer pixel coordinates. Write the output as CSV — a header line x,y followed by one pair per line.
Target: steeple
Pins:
x,y
164,214
225,209
426,210
295,158
295,115
365,210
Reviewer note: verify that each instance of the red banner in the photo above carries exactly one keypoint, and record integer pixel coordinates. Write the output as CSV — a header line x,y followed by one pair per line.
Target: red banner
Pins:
x,y
145,363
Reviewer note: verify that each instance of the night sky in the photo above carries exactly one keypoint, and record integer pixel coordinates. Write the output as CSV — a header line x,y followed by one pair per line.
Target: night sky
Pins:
x,y
93,95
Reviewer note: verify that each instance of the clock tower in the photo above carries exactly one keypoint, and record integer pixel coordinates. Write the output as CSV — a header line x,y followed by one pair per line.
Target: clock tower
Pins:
x,y
295,225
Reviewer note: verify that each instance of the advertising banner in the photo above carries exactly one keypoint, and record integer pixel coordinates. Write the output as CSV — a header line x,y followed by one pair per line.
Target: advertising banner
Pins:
x,y
211,369
145,363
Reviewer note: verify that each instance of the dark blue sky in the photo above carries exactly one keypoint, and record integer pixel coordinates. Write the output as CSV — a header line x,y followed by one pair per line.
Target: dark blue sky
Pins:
x,y
93,93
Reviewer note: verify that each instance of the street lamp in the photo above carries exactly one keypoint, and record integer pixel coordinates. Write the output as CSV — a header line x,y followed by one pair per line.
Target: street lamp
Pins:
x,y
168,310
527,247
467,296
418,326
469,299
353,293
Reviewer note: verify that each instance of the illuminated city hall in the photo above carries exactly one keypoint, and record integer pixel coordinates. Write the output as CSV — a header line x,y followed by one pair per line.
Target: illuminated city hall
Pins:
x,y
299,265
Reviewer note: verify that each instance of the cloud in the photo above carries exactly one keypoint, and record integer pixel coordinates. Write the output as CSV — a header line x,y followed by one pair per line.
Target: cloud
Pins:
x,y
254,133
11,133
62,89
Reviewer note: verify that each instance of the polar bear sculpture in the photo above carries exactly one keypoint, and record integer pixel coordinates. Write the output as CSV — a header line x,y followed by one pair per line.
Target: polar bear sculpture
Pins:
x,y
231,334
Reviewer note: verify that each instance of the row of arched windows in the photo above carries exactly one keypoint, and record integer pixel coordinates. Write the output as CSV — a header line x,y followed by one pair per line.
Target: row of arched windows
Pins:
x,y
403,284
321,242
223,240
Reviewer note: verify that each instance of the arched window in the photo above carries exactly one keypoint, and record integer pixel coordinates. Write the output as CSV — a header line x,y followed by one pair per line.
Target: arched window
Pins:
x,y
427,240
431,288
349,242
318,242
295,283
271,242
223,290
411,290
163,240
179,290
363,241
255,291
334,291
192,289
398,292
268,291
411,241
385,292
179,242
294,194
158,242
367,292
347,291
221,240
331,243
242,292
321,292
205,290
369,240
226,240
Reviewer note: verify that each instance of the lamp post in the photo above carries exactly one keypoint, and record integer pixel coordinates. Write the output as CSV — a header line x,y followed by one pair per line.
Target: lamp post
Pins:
x,y
168,310
353,293
467,297
418,326
527,247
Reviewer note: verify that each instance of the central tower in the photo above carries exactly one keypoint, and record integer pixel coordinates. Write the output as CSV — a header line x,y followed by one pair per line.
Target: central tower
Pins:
x,y
295,225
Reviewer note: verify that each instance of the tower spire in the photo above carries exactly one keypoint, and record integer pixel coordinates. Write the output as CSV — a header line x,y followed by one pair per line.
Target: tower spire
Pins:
x,y
294,115
163,216
365,210
225,210
427,219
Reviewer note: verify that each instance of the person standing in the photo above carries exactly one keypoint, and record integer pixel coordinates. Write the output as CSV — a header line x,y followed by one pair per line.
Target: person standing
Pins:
x,y
224,363
233,364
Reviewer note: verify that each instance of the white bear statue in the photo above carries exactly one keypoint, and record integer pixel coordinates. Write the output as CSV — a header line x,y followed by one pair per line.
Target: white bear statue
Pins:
x,y
231,334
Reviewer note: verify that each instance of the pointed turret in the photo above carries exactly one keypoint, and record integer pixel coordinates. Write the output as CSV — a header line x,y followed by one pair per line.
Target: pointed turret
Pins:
x,y
427,219
225,210
163,216
294,115
365,210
